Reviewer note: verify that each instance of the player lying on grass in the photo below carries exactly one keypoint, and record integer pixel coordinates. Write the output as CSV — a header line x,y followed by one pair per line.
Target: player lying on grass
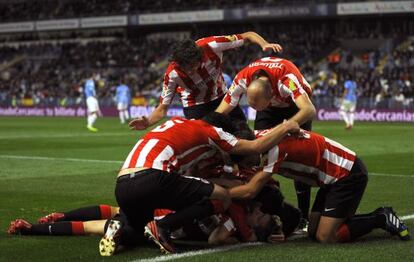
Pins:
x,y
342,178
251,224
82,221
244,222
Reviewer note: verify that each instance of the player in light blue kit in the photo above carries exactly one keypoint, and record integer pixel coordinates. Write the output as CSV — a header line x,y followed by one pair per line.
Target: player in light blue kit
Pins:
x,y
228,80
349,99
92,102
123,98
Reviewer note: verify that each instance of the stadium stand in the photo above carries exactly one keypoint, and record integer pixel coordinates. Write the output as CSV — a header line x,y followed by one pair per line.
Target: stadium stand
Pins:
x,y
49,67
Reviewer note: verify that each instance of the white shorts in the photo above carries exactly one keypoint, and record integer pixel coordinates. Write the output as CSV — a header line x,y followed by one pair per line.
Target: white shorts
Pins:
x,y
122,106
92,104
348,106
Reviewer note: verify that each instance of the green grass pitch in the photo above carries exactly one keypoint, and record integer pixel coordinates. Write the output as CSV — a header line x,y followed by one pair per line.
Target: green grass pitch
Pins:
x,y
40,172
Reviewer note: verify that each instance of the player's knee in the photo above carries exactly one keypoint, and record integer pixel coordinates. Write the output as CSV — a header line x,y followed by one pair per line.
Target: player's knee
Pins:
x,y
325,237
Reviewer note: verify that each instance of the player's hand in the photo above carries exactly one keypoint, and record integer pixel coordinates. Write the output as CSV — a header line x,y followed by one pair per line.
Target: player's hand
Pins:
x,y
139,123
274,47
292,126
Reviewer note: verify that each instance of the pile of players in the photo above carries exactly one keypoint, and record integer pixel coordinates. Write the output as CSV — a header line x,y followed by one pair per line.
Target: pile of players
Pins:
x,y
208,176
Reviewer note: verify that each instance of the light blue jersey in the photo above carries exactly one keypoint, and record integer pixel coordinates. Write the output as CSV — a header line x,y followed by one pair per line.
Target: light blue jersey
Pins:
x,y
123,95
227,79
90,88
351,87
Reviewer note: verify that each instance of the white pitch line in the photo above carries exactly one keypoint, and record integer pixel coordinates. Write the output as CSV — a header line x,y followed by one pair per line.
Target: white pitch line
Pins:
x,y
216,250
61,159
382,174
407,217
118,162
197,252
5,137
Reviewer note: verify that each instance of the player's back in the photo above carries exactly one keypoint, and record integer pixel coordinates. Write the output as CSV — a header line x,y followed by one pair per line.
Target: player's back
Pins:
x,y
122,93
89,88
351,88
178,143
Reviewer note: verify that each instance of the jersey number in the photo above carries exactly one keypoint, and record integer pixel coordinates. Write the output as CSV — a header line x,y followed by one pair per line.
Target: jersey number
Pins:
x,y
167,125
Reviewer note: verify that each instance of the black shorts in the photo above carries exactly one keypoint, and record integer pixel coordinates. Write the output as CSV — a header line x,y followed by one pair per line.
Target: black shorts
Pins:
x,y
273,116
341,199
199,111
140,193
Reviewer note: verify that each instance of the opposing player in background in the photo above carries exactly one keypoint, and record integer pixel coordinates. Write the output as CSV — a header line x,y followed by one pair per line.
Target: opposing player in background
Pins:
x,y
195,73
228,80
278,91
348,104
342,178
123,98
92,102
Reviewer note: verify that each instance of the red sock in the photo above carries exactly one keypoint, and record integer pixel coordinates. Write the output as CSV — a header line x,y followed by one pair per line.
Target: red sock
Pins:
x,y
217,206
343,234
105,211
77,228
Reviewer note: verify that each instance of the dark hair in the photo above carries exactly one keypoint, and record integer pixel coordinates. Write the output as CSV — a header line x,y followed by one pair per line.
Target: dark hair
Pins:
x,y
220,120
271,227
186,53
244,132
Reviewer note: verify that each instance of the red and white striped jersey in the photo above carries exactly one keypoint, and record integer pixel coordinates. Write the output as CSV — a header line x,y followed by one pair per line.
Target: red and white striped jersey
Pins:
x,y
286,80
207,83
177,145
313,159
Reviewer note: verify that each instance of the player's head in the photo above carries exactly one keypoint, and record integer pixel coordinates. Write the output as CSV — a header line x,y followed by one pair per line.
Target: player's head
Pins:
x,y
187,55
263,224
220,120
259,93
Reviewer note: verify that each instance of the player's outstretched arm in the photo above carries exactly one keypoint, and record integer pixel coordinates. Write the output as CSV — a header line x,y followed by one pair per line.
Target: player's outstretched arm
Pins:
x,y
266,142
224,107
251,189
143,122
259,40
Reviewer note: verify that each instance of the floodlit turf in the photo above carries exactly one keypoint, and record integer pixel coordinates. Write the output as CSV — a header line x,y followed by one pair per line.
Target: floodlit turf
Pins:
x,y
51,179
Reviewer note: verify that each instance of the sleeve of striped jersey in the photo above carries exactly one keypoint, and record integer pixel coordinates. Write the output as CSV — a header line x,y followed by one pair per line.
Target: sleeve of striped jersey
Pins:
x,y
220,44
168,88
236,90
291,87
272,160
225,141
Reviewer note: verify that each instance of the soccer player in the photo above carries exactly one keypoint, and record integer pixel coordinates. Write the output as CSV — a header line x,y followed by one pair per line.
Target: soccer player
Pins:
x,y
278,91
195,73
92,102
348,104
227,79
342,178
149,177
123,98
82,221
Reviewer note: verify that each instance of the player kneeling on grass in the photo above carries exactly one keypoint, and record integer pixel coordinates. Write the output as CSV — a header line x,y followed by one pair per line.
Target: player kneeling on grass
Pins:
x,y
342,178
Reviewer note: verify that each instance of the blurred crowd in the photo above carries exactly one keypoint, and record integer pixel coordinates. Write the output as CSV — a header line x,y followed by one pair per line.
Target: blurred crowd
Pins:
x,y
52,72
52,9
